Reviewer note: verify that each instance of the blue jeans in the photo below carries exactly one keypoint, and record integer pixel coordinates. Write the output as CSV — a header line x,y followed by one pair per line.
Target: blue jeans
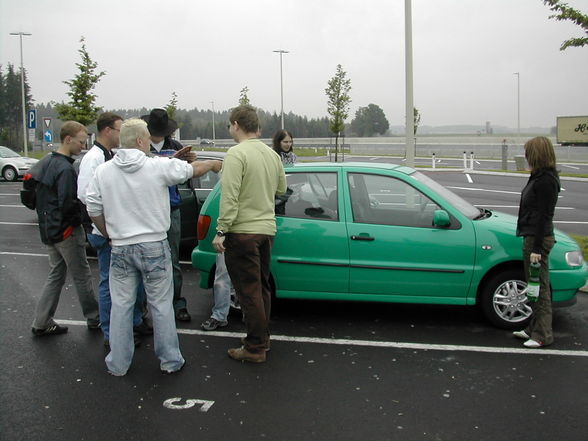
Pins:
x,y
221,289
151,263
103,250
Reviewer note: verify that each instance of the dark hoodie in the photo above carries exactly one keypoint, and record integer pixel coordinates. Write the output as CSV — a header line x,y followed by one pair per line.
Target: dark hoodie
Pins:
x,y
537,206
57,207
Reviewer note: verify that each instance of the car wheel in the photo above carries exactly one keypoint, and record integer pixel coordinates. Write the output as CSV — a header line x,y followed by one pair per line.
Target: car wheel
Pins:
x,y
9,173
504,302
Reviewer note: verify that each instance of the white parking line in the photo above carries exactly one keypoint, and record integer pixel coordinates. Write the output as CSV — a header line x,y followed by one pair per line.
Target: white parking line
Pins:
x,y
469,178
12,206
11,253
374,344
18,223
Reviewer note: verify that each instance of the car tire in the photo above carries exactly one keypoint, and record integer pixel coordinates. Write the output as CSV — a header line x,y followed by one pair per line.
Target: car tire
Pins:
x,y
504,302
9,173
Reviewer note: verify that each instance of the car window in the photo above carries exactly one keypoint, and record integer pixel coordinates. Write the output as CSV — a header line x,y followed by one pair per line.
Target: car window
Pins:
x,y
5,152
205,182
385,200
310,195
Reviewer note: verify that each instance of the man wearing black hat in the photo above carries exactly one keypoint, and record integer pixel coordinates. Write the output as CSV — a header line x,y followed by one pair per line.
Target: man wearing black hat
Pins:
x,y
161,127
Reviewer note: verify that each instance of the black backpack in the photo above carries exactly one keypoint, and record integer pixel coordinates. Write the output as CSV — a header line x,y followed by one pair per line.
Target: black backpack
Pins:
x,y
28,194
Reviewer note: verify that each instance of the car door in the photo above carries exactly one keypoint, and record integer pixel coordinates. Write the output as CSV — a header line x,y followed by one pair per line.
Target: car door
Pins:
x,y
193,193
394,247
310,257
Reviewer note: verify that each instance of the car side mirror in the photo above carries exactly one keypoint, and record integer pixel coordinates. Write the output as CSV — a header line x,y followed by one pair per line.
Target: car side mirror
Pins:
x,y
441,218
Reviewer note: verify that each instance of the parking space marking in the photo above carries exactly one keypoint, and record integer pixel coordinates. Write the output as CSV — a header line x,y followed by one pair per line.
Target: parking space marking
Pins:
x,y
18,223
13,206
375,344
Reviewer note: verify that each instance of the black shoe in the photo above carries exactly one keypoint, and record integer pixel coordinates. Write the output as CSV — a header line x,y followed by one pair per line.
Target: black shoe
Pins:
x,y
182,315
51,330
143,329
211,324
93,325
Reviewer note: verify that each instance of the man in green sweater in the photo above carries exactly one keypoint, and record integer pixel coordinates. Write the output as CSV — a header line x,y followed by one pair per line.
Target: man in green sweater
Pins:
x,y
252,175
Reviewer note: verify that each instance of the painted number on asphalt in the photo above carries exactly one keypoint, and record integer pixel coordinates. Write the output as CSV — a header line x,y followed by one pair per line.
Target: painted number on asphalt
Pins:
x,y
170,404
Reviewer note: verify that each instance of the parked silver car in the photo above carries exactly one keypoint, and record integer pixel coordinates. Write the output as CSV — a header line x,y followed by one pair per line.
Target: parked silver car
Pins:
x,y
12,165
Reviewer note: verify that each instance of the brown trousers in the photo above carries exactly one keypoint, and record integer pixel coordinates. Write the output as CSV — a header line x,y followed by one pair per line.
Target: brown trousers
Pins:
x,y
248,258
539,328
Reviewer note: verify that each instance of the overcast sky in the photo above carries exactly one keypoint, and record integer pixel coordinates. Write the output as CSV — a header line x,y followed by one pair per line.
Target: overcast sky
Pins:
x,y
465,54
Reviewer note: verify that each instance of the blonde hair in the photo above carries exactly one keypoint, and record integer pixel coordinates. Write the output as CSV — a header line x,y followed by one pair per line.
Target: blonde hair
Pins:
x,y
130,130
539,153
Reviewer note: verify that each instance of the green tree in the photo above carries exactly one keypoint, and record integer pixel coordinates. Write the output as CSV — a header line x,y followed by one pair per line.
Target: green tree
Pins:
x,y
11,106
82,107
369,121
564,12
172,106
243,97
338,103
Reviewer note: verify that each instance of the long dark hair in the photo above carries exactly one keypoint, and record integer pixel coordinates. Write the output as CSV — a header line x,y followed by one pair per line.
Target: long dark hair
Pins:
x,y
277,140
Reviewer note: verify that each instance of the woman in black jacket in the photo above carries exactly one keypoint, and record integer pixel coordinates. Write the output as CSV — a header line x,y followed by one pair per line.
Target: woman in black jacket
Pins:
x,y
535,224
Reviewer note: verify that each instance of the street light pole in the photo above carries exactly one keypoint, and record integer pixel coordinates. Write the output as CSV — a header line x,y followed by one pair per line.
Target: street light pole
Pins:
x,y
409,135
24,112
281,51
213,130
518,104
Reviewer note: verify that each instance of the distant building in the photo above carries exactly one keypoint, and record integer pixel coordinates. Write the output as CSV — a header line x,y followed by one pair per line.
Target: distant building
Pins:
x,y
489,130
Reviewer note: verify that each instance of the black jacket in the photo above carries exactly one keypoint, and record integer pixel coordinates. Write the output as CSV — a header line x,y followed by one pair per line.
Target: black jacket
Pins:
x,y
57,202
537,206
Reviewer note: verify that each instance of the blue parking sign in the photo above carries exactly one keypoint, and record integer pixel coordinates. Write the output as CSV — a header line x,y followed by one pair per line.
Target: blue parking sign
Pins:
x,y
32,119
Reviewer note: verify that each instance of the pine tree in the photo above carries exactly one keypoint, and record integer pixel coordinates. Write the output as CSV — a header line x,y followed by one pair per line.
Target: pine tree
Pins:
x,y
81,107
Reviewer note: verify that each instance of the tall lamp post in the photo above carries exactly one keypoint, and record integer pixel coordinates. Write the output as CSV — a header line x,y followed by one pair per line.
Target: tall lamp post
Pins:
x,y
409,135
518,104
213,130
281,51
24,112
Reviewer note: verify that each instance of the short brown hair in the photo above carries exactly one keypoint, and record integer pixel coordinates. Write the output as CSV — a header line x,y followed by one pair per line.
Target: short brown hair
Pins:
x,y
71,128
107,119
539,153
247,118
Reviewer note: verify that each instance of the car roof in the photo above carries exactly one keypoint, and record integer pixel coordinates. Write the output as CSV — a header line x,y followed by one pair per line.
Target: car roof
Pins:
x,y
361,165
210,155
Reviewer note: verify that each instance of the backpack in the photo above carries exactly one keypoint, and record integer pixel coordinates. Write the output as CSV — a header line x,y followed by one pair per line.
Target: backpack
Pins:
x,y
28,194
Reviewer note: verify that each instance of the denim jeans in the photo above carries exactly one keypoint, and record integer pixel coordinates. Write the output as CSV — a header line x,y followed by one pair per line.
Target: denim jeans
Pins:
x,y
103,250
174,236
67,255
150,262
221,290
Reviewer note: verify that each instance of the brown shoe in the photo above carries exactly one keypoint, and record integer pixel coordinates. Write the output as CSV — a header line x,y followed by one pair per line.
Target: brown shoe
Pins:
x,y
242,354
267,348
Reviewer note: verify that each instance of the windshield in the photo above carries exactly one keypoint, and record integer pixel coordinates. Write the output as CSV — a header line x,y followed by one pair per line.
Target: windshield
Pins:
x,y
456,201
5,152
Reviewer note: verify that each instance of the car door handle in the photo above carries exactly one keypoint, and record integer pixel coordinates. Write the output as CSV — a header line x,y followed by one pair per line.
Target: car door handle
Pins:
x,y
368,238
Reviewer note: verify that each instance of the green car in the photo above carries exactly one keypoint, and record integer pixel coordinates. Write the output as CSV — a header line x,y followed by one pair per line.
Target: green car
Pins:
x,y
388,233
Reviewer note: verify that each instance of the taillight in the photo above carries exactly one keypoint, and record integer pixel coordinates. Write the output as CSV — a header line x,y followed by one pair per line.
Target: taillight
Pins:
x,y
27,176
202,226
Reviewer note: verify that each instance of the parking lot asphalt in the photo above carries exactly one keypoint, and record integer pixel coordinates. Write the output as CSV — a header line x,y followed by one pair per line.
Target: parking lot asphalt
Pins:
x,y
336,371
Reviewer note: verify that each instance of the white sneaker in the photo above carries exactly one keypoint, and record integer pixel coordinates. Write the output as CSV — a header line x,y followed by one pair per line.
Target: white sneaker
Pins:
x,y
533,344
521,334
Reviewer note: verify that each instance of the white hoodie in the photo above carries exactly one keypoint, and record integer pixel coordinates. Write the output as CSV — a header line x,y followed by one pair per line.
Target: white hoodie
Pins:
x,y
131,191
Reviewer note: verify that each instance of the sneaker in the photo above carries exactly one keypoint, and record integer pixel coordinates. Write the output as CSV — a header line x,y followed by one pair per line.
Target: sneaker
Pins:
x,y
211,324
267,348
166,372
521,334
143,329
183,315
242,354
51,330
533,344
93,325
